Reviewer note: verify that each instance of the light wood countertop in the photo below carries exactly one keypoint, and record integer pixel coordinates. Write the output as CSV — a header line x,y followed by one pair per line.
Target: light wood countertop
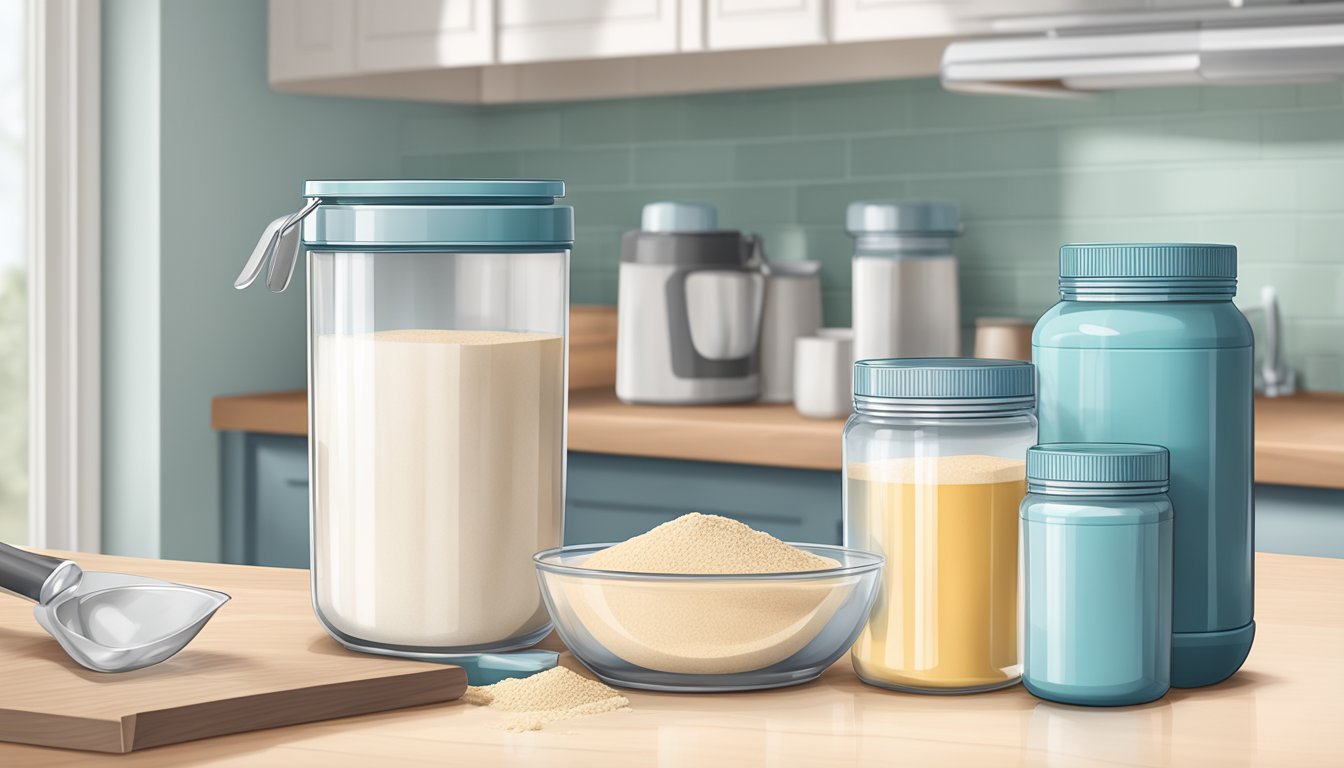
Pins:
x,y
1299,440
1283,709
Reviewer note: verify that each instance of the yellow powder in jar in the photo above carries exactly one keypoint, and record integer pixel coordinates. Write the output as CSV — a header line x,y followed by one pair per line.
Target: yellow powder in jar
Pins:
x,y
946,617
556,694
720,626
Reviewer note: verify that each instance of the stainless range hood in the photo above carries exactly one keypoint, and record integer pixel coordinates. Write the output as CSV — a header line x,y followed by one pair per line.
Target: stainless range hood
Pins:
x,y
1078,52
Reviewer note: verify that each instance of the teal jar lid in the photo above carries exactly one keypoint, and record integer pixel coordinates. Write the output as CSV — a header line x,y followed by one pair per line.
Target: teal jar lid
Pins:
x,y
934,380
1190,260
1097,466
448,214
927,218
1147,271
679,216
461,191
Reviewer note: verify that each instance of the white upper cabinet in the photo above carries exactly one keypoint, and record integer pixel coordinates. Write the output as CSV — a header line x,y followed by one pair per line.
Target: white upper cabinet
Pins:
x,y
311,39
552,30
393,35
855,20
738,24
497,51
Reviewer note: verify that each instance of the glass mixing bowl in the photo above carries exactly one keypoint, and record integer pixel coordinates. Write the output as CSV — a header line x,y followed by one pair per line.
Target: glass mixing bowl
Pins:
x,y
711,632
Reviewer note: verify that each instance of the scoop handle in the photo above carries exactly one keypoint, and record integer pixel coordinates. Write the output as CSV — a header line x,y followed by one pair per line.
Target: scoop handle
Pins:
x,y
36,577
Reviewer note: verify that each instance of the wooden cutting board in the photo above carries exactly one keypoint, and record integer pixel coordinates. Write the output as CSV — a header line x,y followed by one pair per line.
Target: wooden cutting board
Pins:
x,y
262,661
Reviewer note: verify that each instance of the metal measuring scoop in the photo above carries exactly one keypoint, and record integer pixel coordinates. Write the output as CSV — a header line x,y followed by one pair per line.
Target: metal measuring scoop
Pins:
x,y
108,622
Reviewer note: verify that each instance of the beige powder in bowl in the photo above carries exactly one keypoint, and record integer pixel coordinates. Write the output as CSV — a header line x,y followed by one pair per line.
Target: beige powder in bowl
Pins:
x,y
720,626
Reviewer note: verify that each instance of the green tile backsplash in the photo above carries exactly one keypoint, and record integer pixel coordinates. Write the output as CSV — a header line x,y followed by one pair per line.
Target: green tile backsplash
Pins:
x,y
1260,167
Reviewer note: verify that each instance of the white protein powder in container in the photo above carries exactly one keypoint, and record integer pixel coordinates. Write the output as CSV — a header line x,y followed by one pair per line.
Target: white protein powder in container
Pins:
x,y
439,472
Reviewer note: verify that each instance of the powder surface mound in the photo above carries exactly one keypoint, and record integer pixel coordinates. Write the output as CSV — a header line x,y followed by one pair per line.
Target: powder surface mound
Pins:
x,y
942,470
556,694
706,544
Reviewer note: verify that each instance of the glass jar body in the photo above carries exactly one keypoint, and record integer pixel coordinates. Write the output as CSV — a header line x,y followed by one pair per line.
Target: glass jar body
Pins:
x,y
437,397
938,496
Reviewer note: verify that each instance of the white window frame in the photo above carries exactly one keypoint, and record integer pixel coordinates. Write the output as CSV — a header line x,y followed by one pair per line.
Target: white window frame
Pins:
x,y
64,231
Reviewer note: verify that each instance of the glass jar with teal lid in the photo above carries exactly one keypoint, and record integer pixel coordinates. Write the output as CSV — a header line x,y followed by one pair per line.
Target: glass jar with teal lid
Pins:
x,y
1146,346
437,323
934,471
1096,565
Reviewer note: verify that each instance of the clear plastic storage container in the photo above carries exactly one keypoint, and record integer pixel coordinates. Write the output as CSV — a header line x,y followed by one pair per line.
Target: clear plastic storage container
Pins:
x,y
934,474
437,318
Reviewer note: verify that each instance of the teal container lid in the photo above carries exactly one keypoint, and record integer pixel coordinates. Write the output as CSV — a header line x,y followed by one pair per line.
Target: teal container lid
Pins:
x,y
678,216
929,218
943,379
449,214
1147,271
460,191
1097,466
1210,261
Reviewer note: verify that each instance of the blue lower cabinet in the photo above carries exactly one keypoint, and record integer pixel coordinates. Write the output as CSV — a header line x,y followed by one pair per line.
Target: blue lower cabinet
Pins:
x,y
265,499
611,498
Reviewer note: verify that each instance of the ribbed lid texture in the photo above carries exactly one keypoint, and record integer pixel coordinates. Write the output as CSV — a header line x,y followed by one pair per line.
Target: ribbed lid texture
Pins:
x,y
1097,463
1172,260
525,191
904,217
944,378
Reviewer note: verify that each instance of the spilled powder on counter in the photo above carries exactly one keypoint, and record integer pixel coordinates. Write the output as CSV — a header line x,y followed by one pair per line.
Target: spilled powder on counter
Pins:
x,y
705,627
704,544
556,694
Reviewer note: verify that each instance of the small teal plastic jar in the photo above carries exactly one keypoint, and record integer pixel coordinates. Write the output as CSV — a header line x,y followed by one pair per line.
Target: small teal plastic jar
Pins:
x,y
1146,346
1096,562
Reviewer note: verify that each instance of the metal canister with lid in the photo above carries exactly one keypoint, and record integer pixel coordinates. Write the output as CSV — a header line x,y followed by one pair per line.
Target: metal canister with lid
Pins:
x,y
1096,564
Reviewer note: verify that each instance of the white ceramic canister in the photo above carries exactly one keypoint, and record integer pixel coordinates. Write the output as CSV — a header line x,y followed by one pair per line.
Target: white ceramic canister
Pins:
x,y
792,310
822,379
905,301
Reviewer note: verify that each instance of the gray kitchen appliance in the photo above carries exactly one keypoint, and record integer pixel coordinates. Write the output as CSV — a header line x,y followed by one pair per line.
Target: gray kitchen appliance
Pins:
x,y
689,309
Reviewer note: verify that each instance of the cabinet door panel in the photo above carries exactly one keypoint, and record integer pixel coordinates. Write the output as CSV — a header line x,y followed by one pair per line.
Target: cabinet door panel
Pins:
x,y
853,20
546,30
733,24
310,39
279,530
423,34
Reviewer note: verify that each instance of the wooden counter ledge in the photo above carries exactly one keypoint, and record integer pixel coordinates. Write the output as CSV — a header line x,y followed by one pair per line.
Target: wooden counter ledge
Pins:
x,y
1299,440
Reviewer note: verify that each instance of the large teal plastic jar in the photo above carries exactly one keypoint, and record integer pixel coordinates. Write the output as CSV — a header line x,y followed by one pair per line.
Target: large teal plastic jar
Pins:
x,y
1147,347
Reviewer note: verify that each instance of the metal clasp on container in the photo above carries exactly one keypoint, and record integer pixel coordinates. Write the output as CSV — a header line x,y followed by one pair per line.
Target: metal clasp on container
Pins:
x,y
279,245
